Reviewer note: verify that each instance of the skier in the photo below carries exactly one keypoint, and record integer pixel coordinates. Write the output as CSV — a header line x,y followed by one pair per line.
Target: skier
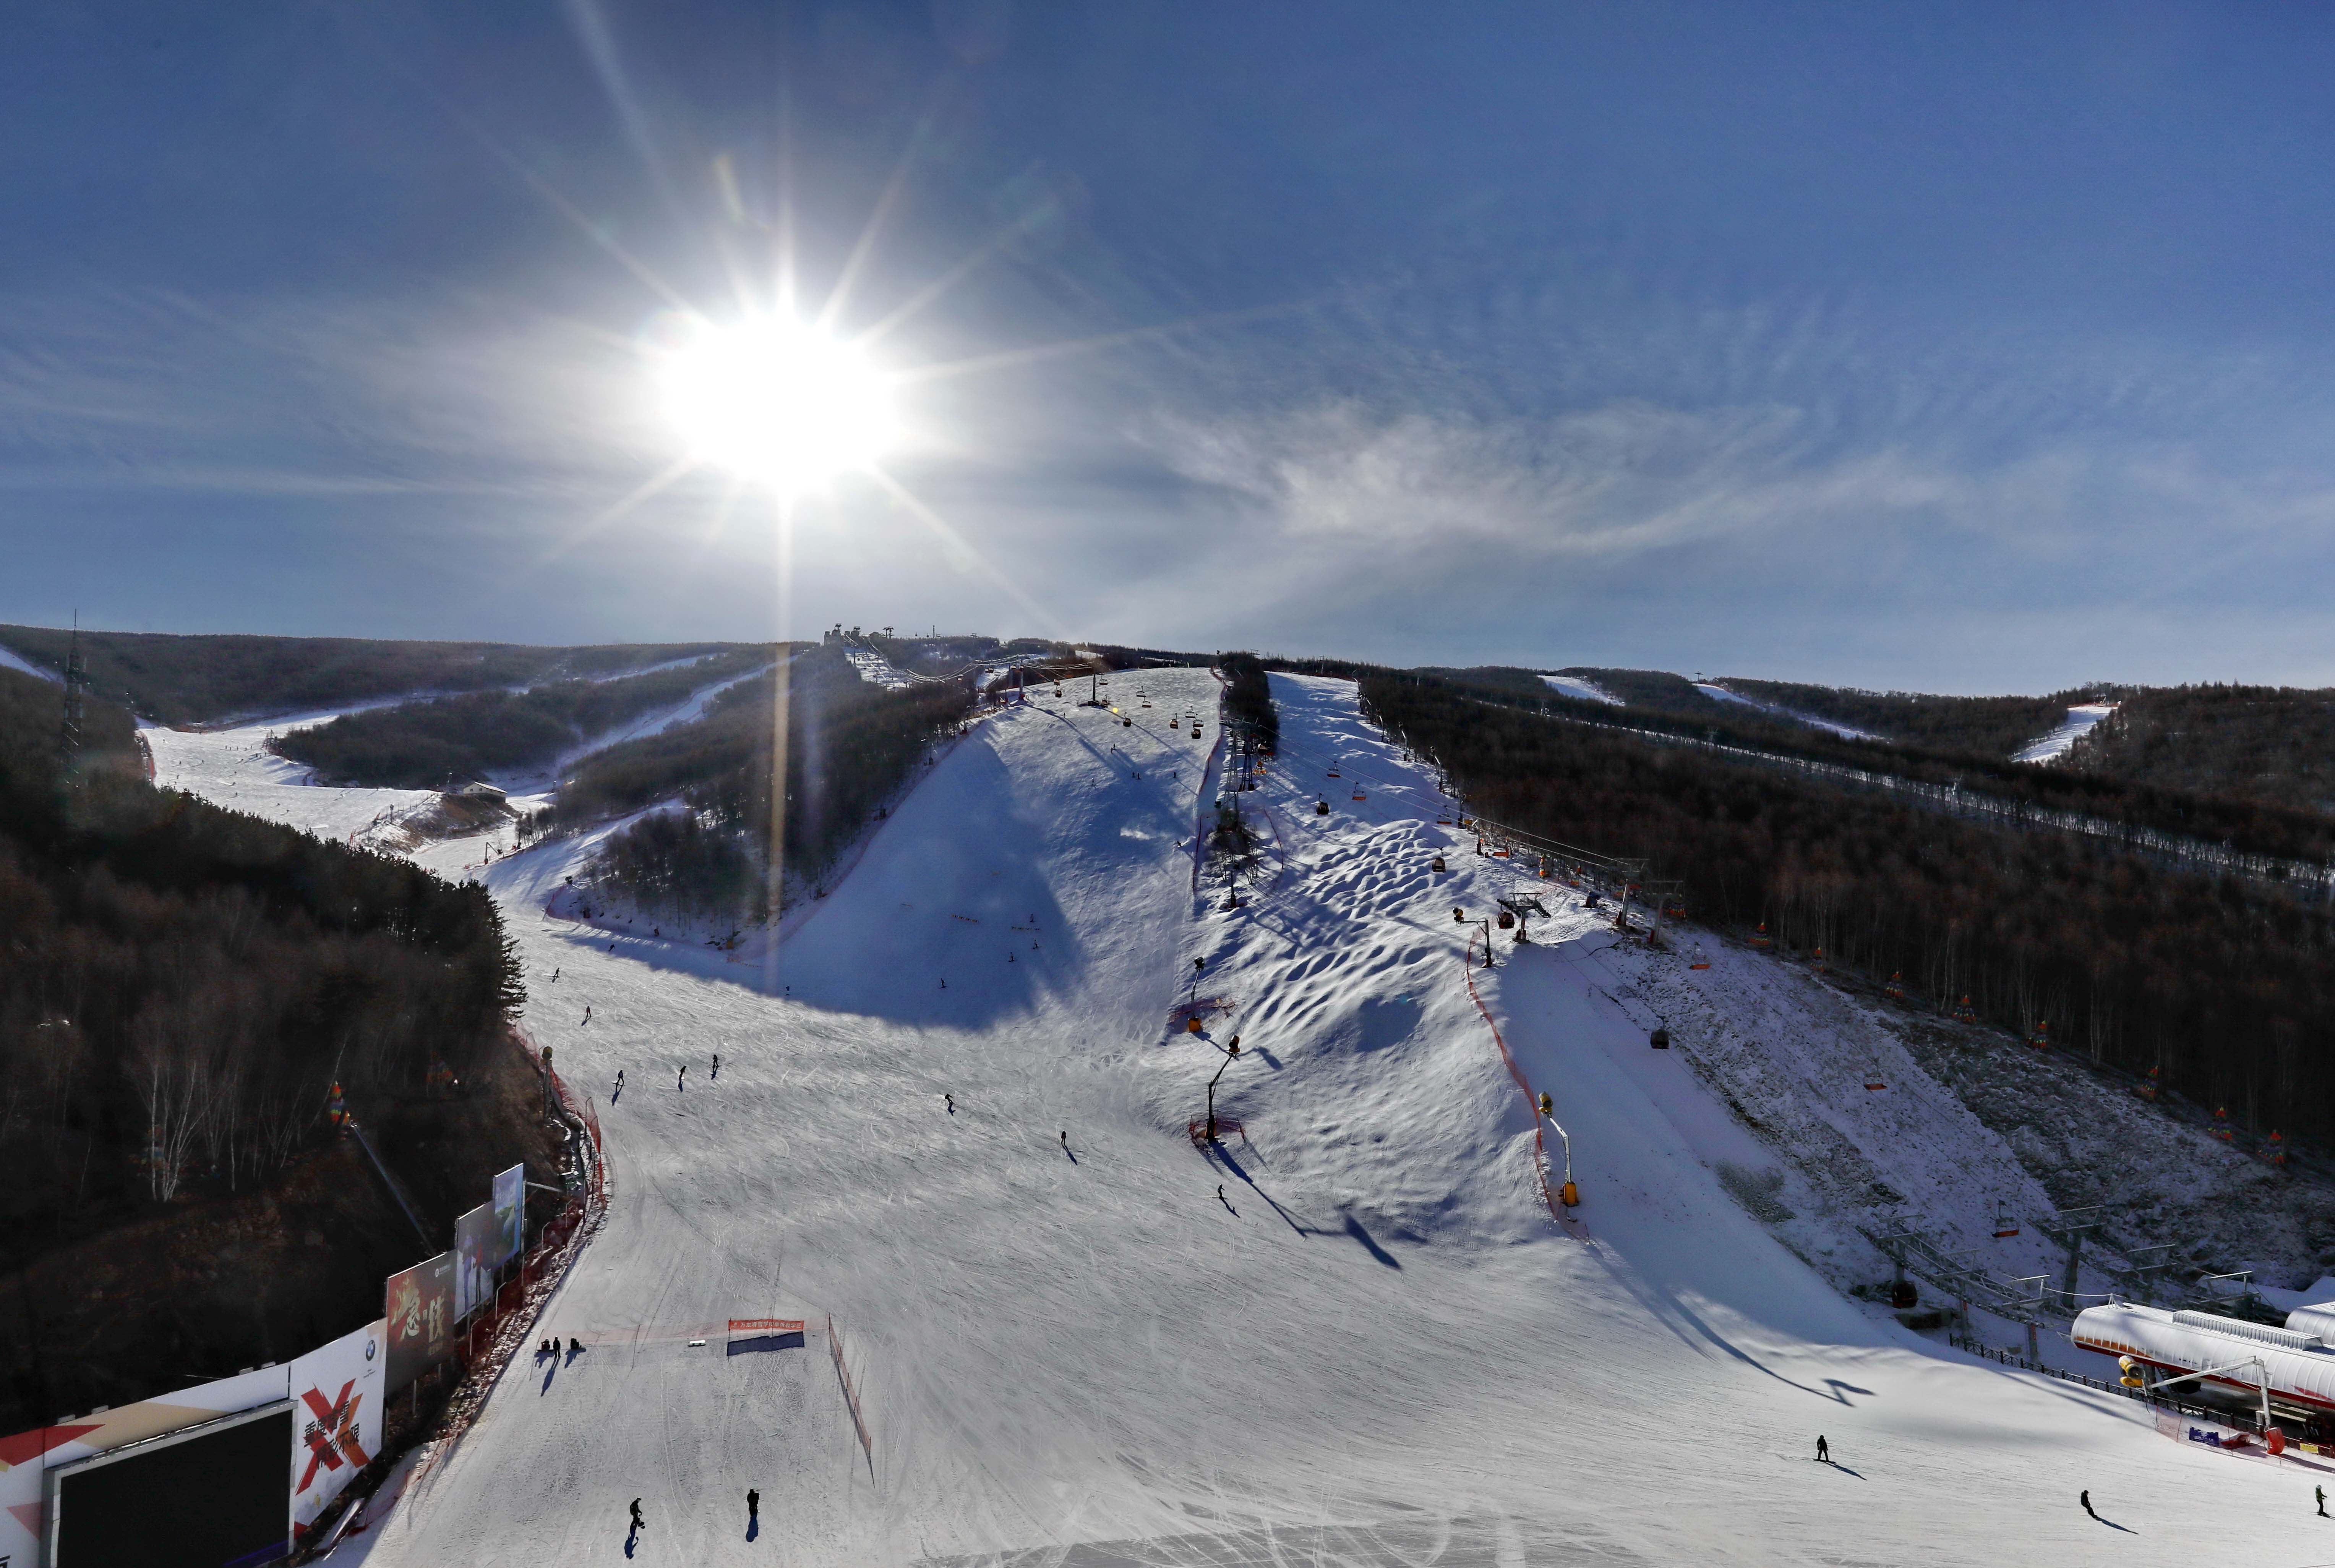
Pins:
x,y
555,971
717,1066
1824,1450
637,1521
753,1506
952,1103
587,1015
680,1079
2085,1497
2321,1492
1066,1140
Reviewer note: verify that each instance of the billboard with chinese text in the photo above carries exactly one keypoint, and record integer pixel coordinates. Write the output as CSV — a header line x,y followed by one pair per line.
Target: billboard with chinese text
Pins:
x,y
420,1310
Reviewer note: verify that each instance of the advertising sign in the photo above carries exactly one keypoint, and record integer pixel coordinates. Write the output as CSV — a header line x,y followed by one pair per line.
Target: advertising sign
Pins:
x,y
420,1304
474,1260
511,1213
748,1335
336,1398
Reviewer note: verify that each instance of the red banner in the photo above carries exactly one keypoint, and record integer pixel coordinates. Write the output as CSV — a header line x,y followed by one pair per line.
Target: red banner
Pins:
x,y
766,1325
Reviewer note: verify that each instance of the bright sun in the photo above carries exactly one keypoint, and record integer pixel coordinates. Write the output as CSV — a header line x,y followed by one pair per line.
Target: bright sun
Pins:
x,y
777,402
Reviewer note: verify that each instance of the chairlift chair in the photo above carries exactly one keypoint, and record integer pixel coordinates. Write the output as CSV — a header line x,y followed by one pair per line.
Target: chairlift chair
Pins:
x,y
1873,1079
2006,1225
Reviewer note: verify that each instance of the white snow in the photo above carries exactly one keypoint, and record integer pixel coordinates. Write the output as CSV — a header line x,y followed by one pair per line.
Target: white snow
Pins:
x,y
655,723
1381,1349
23,666
2074,728
1846,732
233,768
1577,686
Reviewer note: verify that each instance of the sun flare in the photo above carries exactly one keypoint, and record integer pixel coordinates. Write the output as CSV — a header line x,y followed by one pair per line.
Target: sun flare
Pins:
x,y
777,402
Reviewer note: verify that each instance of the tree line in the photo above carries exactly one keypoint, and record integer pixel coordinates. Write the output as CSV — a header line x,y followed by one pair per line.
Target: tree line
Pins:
x,y
421,745
197,679
181,985
2270,744
1248,698
2227,989
850,746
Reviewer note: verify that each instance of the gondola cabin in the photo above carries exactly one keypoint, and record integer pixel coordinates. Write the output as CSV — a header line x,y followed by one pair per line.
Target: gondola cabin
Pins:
x,y
1660,1039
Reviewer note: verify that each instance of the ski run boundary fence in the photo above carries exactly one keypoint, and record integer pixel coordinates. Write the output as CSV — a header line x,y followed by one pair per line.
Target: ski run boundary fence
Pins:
x,y
1540,1142
850,1395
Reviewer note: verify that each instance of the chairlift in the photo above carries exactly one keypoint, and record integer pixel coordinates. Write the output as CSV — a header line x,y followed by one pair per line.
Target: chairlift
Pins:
x,y
1360,796
1873,1079
2006,1225
1333,769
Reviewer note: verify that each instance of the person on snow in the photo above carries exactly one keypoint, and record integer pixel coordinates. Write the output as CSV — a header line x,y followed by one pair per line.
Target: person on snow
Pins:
x,y
575,1346
680,1079
2085,1497
555,971
952,1103
637,1521
1824,1450
587,1015
717,1066
2321,1492
1066,1140
753,1505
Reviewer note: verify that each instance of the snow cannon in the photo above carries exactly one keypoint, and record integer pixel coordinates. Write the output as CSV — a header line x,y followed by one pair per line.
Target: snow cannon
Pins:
x,y
1459,917
2131,1370
1660,1039
1435,865
1548,1107
1508,920
1191,1026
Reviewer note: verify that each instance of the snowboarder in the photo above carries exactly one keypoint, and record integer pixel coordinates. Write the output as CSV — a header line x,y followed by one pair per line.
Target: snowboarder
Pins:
x,y
1824,1450
952,1103
637,1521
753,1506
555,971
587,1014
717,1066
680,1079
945,983
1066,1140
2085,1497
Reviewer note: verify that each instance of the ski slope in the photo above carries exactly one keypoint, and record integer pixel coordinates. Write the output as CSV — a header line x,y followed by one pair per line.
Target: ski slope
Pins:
x,y
1579,686
1378,1349
1718,693
2078,724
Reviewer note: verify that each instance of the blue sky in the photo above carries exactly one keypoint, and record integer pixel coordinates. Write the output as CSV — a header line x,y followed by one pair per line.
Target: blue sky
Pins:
x,y
1956,348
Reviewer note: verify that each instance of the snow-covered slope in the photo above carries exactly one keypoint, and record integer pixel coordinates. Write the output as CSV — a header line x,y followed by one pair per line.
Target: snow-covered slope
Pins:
x,y
10,660
233,768
1376,1348
1846,732
1578,686
2077,725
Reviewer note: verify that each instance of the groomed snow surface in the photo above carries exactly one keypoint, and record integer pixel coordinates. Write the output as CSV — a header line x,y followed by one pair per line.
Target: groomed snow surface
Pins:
x,y
1376,1349
1581,687
2058,743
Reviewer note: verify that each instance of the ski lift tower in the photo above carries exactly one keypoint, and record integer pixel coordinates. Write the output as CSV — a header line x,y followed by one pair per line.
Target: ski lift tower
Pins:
x,y
68,727
2069,1227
